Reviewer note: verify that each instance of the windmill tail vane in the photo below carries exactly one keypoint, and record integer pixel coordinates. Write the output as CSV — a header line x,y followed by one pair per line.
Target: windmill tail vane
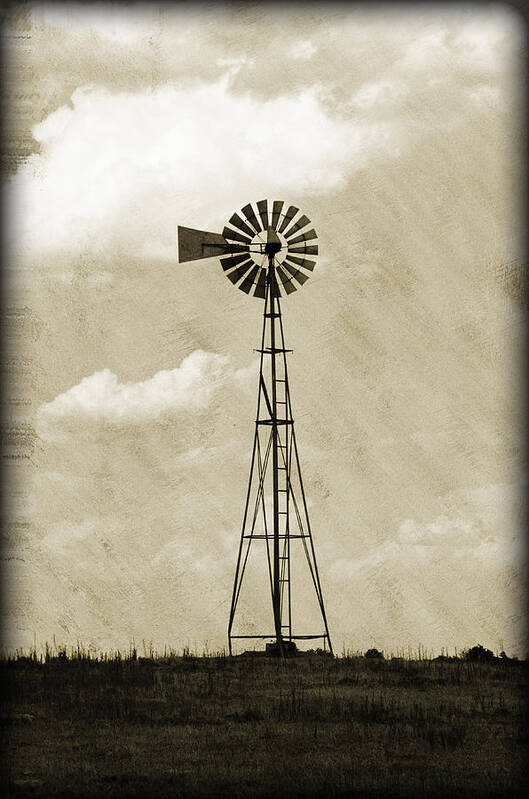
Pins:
x,y
267,252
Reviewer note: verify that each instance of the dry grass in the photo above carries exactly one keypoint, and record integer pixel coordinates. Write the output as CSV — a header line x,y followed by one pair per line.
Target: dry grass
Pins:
x,y
186,726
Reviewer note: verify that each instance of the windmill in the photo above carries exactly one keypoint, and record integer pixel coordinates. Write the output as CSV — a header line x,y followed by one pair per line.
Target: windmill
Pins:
x,y
265,254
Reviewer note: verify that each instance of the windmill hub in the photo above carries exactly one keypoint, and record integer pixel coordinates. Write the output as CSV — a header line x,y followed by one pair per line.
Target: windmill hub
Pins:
x,y
273,242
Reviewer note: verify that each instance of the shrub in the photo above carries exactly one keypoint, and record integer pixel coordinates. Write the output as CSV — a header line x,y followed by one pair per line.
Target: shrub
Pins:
x,y
374,653
479,653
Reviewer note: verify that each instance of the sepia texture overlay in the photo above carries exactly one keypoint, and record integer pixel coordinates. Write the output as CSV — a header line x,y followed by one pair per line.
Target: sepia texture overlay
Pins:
x,y
131,380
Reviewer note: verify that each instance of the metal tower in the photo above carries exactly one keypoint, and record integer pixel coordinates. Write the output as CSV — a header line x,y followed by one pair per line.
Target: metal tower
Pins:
x,y
260,250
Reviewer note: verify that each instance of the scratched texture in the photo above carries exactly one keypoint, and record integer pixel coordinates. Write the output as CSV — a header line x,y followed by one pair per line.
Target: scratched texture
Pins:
x,y
130,381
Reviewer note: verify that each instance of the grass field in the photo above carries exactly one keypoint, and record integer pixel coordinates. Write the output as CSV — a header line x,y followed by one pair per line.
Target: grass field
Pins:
x,y
310,726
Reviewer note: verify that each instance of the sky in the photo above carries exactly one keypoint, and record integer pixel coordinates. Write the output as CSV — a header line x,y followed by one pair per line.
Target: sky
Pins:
x,y
132,379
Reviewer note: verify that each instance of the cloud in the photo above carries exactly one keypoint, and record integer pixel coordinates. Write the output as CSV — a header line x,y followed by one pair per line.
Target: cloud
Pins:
x,y
65,535
456,579
118,167
479,535
105,19
384,92
118,170
473,45
302,50
101,397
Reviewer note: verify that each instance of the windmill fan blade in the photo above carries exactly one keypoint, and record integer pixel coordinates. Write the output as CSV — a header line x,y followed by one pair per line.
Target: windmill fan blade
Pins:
x,y
260,288
262,207
239,272
296,274
286,281
276,211
302,222
230,261
313,250
290,214
248,281
289,267
300,277
192,245
301,262
251,217
309,236
237,222
228,233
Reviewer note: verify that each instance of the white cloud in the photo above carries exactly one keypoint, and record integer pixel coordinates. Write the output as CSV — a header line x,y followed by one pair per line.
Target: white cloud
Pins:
x,y
384,92
109,20
486,97
125,168
440,532
489,538
478,39
234,65
66,534
101,396
303,50
452,581
189,556
470,43
117,171
428,50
